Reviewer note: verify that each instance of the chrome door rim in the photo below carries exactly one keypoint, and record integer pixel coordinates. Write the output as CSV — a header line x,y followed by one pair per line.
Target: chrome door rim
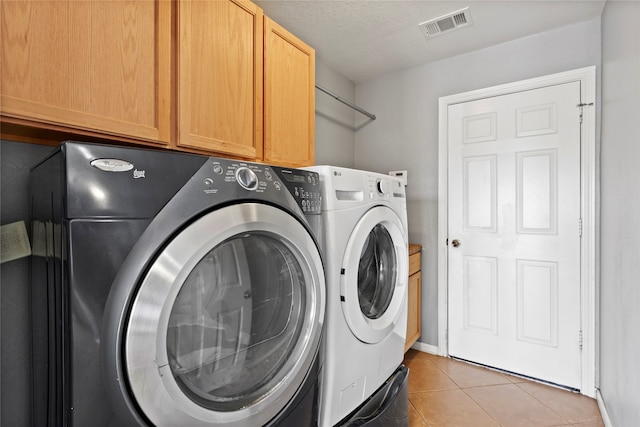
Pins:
x,y
146,361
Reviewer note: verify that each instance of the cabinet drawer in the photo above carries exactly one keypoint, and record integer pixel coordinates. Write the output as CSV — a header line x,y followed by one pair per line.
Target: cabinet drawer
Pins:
x,y
414,263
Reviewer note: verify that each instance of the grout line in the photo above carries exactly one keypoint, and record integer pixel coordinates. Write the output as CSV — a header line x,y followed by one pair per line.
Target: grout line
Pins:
x,y
418,412
480,406
544,404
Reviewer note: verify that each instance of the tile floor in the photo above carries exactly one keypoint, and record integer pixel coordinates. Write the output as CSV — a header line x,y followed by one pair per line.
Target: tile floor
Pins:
x,y
449,393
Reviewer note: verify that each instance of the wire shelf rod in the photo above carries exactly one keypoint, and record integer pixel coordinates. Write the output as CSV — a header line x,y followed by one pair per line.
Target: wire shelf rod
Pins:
x,y
347,103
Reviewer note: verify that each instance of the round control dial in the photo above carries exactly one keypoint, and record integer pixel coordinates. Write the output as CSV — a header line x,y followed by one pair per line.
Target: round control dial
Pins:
x,y
382,186
246,178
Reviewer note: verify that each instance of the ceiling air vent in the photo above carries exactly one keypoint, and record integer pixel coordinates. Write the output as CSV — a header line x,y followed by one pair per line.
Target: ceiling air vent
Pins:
x,y
449,22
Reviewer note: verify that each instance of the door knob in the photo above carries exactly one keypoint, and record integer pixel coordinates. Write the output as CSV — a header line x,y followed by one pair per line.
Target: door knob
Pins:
x,y
455,243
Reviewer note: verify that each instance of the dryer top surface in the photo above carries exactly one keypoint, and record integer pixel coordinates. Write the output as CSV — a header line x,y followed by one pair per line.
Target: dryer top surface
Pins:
x,y
108,182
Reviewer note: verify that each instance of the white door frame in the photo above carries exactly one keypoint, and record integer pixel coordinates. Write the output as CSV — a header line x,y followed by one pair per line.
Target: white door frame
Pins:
x,y
588,284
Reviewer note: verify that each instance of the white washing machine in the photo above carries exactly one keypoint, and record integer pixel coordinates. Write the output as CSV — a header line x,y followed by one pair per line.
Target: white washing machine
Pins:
x,y
365,244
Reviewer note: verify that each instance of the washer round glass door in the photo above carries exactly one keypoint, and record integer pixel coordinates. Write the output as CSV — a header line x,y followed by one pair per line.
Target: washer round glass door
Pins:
x,y
375,260
227,321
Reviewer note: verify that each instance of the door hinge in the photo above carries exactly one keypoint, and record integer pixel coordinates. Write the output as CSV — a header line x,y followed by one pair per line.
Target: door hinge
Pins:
x,y
581,107
580,339
580,227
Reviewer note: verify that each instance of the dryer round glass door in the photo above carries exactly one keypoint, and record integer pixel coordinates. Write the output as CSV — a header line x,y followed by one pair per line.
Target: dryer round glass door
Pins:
x,y
373,285
227,321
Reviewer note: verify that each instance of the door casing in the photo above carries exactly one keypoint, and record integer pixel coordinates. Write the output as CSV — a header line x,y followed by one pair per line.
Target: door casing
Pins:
x,y
588,257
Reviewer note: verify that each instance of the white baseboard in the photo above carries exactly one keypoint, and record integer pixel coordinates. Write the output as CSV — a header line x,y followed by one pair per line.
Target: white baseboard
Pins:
x,y
425,348
603,409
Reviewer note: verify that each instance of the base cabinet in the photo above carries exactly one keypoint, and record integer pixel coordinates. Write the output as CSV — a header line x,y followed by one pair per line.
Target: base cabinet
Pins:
x,y
413,296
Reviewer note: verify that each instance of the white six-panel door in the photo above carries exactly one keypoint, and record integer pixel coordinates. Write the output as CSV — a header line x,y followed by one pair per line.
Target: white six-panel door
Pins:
x,y
514,232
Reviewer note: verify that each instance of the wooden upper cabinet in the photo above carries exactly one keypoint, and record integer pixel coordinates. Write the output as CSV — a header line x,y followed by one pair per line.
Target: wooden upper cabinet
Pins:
x,y
207,76
289,98
219,52
101,66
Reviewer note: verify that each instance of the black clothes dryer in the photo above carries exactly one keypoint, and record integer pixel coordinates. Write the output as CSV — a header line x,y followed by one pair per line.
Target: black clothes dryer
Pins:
x,y
172,289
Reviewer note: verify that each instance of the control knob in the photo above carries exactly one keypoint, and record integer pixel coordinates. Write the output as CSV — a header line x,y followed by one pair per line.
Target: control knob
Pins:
x,y
382,186
246,178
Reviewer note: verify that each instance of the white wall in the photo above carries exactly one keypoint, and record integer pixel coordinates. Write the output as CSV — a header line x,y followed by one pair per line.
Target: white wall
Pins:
x,y
620,213
335,122
405,133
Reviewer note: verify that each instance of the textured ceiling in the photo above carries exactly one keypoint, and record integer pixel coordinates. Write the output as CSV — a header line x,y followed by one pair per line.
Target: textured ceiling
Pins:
x,y
364,39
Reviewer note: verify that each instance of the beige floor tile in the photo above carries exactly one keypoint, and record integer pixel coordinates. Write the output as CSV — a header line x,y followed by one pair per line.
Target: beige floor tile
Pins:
x,y
415,419
511,406
597,423
467,375
573,407
412,354
450,393
516,380
416,354
450,408
425,376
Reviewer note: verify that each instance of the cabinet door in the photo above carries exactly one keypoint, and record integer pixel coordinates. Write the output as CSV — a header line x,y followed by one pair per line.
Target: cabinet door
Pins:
x,y
220,77
413,310
90,65
289,98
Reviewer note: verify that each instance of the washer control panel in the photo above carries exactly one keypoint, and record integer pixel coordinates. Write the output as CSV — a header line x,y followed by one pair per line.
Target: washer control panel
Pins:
x,y
382,187
305,187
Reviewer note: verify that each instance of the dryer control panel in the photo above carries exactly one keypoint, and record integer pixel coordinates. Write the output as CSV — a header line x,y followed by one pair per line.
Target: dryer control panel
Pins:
x,y
231,176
